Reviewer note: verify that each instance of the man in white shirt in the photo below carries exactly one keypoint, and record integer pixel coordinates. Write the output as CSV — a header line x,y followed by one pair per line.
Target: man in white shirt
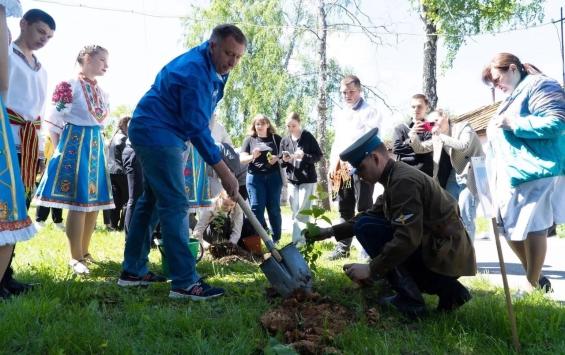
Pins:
x,y
24,104
353,121
27,91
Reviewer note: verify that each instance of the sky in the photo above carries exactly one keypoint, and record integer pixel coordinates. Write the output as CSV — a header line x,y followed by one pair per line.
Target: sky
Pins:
x,y
140,45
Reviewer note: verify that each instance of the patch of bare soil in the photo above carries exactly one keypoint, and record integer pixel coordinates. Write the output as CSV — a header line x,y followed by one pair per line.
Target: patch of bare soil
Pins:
x,y
227,253
308,322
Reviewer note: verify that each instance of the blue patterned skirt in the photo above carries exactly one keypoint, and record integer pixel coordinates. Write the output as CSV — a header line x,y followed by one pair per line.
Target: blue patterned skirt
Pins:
x,y
76,177
196,182
15,224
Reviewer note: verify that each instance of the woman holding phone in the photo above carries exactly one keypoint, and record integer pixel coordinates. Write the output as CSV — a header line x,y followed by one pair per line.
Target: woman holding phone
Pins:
x,y
261,150
300,151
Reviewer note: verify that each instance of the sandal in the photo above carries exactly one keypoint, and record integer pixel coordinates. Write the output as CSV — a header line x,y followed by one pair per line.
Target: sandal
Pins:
x,y
88,259
78,267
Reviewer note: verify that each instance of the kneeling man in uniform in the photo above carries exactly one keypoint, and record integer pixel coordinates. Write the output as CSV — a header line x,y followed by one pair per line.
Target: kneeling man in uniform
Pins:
x,y
413,233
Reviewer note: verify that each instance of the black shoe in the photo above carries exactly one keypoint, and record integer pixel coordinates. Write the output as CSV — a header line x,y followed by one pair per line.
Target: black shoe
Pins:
x,y
406,306
338,254
408,299
17,288
200,291
4,293
127,280
545,284
454,297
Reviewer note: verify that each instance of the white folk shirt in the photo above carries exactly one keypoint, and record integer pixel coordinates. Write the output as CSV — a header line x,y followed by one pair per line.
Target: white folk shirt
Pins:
x,y
26,91
88,105
350,124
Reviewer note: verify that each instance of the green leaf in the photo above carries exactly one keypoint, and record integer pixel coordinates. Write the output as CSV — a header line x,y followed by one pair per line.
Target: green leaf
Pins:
x,y
327,219
317,211
312,198
306,212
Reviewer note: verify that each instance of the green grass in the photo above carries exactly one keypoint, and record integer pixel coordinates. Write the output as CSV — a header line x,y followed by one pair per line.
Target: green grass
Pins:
x,y
70,315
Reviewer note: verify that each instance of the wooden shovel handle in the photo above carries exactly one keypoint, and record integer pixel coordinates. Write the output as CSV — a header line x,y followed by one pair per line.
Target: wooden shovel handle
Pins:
x,y
259,228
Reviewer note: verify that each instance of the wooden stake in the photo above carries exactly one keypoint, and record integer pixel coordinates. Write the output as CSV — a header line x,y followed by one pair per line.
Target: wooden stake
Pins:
x,y
511,316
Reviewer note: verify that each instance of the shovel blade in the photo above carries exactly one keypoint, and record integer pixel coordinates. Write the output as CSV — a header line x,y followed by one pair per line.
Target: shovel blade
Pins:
x,y
291,274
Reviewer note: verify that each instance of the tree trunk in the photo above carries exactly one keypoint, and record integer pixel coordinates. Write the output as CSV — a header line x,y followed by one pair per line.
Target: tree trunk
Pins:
x,y
322,100
430,58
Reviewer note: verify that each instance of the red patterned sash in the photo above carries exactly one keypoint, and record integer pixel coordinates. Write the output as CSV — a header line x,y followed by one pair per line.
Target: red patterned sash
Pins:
x,y
29,147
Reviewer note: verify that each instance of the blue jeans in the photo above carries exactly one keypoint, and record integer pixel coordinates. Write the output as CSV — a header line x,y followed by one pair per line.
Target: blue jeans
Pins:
x,y
265,192
163,190
373,233
457,187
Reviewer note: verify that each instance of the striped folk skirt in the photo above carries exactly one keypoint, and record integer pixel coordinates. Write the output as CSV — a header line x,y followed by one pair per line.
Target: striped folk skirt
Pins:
x,y
15,224
76,177
196,183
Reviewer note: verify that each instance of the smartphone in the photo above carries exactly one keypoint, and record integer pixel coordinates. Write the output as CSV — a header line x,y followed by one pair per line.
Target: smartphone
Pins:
x,y
428,125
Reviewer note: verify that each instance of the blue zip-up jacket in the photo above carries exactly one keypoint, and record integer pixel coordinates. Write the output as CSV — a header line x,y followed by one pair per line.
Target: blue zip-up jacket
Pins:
x,y
179,105
535,148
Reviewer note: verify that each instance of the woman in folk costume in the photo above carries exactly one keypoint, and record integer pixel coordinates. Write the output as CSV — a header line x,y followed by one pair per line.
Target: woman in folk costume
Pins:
x,y
77,177
15,225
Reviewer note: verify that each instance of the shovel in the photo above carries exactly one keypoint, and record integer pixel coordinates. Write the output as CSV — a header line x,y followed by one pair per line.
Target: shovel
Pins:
x,y
286,269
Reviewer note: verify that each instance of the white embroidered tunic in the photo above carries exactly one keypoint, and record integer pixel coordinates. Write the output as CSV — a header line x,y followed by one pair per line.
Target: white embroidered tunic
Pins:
x,y
352,123
80,102
26,91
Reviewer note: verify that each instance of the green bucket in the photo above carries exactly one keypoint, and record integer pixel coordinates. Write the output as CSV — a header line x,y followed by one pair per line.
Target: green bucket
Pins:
x,y
193,246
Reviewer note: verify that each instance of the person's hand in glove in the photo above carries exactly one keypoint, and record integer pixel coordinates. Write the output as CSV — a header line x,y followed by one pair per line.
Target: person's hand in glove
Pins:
x,y
229,182
316,234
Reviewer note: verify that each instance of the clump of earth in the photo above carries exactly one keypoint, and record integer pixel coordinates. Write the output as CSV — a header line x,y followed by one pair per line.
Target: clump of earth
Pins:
x,y
226,253
308,322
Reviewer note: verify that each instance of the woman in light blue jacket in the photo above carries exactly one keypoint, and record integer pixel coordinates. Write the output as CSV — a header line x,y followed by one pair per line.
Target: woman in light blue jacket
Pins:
x,y
527,153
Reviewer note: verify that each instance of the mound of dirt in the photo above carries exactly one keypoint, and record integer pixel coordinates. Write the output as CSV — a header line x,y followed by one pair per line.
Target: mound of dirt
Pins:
x,y
227,253
308,322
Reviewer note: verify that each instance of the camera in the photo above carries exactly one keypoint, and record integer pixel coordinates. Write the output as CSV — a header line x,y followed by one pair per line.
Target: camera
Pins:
x,y
428,125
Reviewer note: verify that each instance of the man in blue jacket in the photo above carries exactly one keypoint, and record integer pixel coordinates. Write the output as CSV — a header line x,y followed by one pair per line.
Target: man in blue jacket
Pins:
x,y
176,109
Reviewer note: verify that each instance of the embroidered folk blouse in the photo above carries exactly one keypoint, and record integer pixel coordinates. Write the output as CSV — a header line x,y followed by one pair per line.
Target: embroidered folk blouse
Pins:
x,y
80,102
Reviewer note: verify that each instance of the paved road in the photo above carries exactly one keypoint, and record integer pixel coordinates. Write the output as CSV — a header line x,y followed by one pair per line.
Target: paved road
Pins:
x,y
488,265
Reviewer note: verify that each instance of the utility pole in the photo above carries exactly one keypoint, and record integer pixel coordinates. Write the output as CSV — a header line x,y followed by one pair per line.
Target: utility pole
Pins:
x,y
562,48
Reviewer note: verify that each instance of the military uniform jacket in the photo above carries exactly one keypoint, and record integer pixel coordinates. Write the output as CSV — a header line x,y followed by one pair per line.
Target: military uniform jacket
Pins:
x,y
424,216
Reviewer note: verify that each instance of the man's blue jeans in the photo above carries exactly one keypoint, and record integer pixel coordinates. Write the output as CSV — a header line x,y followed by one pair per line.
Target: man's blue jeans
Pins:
x,y
163,190
265,192
373,233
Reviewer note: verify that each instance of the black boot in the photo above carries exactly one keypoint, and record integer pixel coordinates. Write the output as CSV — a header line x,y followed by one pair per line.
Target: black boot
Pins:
x,y
452,296
408,299
16,287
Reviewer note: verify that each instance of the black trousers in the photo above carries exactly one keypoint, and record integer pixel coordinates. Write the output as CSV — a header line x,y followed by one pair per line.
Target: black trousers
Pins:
x,y
42,212
121,196
359,194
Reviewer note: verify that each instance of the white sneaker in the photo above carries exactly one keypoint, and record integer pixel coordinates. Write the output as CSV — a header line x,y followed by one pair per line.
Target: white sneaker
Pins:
x,y
41,224
60,226
78,267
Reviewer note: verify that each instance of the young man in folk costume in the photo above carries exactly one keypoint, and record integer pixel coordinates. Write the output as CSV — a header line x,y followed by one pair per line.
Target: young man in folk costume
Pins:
x,y
354,120
24,103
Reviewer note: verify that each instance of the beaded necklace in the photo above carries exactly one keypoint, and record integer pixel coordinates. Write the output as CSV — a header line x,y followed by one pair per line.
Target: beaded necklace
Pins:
x,y
94,98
